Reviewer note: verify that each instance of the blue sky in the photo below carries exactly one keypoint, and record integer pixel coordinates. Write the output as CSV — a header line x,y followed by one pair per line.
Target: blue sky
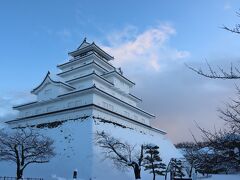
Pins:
x,y
155,38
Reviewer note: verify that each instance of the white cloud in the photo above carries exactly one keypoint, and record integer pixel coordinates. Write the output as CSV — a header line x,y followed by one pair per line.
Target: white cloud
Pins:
x,y
8,100
148,50
227,6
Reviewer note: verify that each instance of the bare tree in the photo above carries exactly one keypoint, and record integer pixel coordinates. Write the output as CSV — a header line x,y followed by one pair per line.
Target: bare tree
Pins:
x,y
220,73
218,152
122,154
24,146
190,151
231,113
225,149
235,29
224,145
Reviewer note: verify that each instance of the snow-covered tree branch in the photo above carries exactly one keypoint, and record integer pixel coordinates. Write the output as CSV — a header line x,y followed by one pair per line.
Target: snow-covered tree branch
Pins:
x,y
122,154
25,146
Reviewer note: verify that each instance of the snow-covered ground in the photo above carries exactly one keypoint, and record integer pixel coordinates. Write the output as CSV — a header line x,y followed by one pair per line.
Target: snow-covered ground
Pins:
x,y
223,177
75,149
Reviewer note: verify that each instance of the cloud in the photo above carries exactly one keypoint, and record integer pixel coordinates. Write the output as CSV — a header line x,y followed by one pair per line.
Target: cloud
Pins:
x,y
227,6
147,50
175,94
8,100
179,97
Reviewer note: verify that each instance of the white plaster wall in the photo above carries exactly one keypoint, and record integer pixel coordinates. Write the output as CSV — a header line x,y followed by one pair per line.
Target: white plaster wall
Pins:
x,y
82,83
121,85
77,74
79,100
123,110
82,72
57,104
71,114
120,120
104,64
114,92
77,61
50,91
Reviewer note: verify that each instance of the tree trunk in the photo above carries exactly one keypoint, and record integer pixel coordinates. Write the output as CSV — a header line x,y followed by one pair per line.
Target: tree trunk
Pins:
x,y
19,170
137,171
19,173
153,170
166,176
191,168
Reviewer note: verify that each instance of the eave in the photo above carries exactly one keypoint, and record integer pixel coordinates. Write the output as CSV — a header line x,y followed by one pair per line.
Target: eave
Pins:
x,y
89,75
47,77
135,97
61,66
84,90
119,75
109,95
90,47
85,65
87,106
23,105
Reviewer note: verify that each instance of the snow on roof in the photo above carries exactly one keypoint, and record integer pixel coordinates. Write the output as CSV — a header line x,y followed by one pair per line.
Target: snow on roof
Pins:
x,y
48,78
86,47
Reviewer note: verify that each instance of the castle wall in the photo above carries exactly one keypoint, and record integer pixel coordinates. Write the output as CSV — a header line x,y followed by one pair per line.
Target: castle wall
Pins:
x,y
73,147
89,57
114,92
123,110
74,142
83,83
81,72
64,103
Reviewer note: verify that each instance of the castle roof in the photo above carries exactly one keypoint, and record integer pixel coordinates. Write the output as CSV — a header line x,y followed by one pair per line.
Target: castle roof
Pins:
x,y
86,47
48,79
116,73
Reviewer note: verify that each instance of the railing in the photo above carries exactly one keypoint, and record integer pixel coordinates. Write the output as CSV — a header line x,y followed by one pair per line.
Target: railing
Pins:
x,y
14,178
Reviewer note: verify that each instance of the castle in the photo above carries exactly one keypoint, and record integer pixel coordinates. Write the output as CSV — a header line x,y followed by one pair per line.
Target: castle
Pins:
x,y
87,95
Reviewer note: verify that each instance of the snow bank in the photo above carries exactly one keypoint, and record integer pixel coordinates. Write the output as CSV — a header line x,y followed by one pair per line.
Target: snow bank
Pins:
x,y
133,137
223,177
75,149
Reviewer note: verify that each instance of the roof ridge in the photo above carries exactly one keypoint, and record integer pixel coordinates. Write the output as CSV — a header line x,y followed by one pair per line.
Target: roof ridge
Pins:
x,y
84,42
54,81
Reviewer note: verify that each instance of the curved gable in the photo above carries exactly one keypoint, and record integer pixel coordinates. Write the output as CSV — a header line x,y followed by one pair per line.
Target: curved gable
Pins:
x,y
50,89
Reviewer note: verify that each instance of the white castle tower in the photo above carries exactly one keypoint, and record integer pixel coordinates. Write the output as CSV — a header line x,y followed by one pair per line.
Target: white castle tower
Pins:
x,y
89,95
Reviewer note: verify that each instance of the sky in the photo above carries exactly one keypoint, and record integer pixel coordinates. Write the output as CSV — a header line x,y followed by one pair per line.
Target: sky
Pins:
x,y
151,40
